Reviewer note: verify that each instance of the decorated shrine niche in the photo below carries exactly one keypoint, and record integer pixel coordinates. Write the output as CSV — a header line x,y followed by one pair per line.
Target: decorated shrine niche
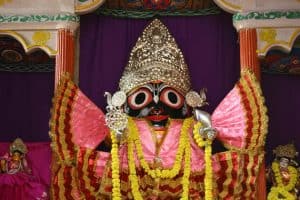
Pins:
x,y
23,66
280,62
163,143
13,57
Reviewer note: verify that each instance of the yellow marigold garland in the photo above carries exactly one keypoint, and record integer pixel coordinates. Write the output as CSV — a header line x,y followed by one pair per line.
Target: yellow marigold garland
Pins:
x,y
199,140
187,170
280,188
133,139
115,165
157,173
132,172
208,185
208,172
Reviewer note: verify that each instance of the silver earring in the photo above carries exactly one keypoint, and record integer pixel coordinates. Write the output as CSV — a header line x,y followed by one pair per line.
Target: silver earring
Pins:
x,y
196,100
115,117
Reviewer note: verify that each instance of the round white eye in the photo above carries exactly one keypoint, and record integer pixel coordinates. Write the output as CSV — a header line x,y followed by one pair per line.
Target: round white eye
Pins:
x,y
172,98
139,99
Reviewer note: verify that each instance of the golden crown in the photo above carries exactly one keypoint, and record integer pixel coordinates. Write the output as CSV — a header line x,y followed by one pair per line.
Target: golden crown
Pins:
x,y
156,57
288,150
18,145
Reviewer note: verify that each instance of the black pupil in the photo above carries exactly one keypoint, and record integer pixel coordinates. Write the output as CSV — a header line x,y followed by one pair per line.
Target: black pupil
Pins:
x,y
140,98
172,97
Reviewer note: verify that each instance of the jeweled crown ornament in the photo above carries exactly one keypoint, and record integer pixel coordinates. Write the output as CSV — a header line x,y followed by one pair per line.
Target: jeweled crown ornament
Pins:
x,y
18,145
156,57
288,150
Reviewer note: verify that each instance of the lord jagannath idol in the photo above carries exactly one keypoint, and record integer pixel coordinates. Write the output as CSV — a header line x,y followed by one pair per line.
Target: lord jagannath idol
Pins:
x,y
162,143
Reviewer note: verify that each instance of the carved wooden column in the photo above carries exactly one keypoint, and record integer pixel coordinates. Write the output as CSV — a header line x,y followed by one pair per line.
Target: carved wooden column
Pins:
x,y
65,54
248,50
249,59
261,182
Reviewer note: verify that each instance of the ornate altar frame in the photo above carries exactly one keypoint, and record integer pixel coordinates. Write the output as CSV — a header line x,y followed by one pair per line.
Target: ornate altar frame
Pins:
x,y
262,25
51,27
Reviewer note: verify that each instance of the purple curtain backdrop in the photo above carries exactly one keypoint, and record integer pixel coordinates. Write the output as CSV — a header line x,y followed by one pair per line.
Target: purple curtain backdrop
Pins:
x,y
25,106
282,94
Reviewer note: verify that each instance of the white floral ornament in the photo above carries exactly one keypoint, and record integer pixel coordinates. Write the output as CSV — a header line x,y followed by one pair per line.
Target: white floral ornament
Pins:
x,y
118,99
195,99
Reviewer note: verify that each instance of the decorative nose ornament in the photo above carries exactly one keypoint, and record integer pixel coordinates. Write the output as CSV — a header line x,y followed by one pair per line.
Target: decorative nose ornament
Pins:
x,y
156,99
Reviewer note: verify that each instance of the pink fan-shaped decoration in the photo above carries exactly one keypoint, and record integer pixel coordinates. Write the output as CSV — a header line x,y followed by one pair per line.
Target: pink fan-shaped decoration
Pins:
x,y
75,120
230,120
87,122
241,119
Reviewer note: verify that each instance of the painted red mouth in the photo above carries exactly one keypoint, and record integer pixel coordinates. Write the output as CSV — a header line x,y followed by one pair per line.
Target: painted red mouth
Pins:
x,y
157,118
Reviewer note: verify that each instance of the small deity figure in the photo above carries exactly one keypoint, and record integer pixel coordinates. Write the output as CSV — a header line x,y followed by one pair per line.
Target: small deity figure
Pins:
x,y
284,174
16,179
15,161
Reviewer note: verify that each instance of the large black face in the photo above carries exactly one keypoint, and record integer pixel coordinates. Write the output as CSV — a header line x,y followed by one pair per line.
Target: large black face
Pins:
x,y
157,102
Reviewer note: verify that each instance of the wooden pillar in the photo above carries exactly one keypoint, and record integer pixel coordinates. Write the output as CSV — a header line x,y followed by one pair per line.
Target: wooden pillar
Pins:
x,y
261,182
248,54
64,63
65,55
249,59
